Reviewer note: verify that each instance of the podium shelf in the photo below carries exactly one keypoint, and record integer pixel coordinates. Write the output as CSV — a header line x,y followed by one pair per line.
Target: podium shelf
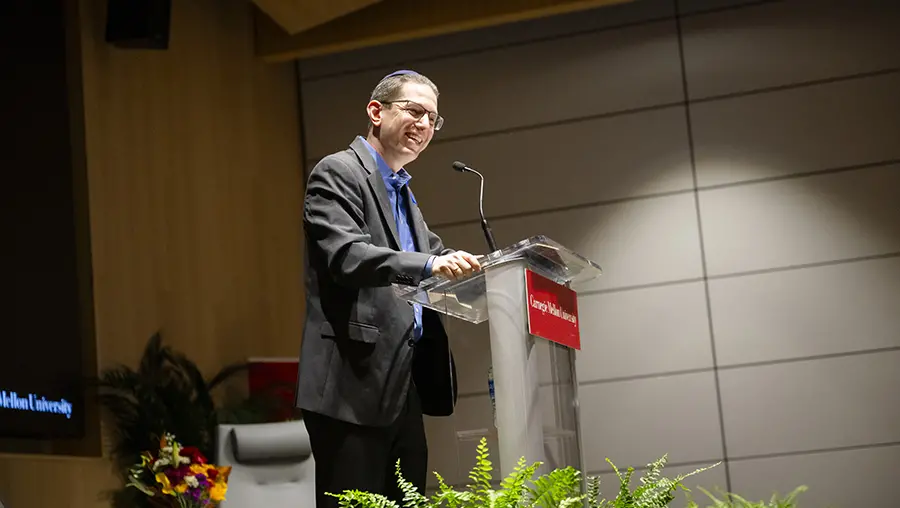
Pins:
x,y
466,298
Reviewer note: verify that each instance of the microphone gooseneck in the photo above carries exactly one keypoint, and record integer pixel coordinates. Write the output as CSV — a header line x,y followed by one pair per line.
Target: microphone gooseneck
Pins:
x,y
488,234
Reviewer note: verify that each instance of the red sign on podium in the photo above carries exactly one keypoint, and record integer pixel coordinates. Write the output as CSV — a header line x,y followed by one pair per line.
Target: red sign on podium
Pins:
x,y
552,310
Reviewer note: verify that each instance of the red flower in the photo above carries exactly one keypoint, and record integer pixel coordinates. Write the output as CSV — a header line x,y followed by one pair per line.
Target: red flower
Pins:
x,y
194,454
176,475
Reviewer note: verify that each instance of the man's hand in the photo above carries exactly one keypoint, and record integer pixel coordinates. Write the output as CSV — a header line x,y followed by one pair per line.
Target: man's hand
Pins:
x,y
455,265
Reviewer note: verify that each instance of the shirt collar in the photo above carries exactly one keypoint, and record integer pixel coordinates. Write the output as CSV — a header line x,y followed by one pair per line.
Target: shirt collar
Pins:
x,y
387,174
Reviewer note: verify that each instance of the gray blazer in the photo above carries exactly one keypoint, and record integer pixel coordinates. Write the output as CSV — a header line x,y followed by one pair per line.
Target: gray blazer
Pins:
x,y
357,359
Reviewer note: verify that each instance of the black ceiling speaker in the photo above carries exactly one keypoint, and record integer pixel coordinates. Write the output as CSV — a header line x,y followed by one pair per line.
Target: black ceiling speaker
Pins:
x,y
138,24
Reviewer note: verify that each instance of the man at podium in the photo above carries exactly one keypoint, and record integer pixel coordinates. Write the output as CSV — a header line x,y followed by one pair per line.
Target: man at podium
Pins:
x,y
371,364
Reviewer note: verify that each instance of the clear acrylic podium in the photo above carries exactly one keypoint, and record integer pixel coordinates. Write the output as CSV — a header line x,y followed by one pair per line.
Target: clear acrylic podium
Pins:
x,y
497,294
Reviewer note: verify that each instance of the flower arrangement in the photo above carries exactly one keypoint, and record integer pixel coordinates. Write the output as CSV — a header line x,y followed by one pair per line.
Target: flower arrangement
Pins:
x,y
179,476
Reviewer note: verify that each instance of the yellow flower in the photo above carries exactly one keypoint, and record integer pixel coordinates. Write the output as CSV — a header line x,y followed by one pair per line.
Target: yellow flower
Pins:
x,y
181,488
224,471
163,480
199,468
217,491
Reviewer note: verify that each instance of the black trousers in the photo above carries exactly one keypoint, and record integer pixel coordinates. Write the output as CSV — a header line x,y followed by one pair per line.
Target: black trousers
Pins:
x,y
352,457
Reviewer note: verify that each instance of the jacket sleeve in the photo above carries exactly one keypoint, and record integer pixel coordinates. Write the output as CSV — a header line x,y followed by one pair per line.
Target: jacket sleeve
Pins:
x,y
436,245
335,225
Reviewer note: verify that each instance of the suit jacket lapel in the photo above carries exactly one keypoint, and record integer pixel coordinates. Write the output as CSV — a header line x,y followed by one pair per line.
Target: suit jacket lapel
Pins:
x,y
418,222
376,183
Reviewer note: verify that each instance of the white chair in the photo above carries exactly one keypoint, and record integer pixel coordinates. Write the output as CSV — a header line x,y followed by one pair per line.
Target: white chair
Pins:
x,y
271,465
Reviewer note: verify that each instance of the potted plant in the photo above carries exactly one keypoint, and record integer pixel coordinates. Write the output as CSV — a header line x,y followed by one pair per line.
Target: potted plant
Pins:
x,y
560,488
166,394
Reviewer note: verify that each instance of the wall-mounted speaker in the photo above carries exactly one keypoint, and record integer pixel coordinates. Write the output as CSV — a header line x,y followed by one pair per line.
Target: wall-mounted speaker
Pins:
x,y
138,24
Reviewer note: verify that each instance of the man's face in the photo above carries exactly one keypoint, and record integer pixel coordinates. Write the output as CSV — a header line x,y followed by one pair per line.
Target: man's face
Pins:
x,y
406,125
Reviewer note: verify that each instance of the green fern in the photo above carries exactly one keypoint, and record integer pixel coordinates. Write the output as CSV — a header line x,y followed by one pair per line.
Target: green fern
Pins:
x,y
593,493
556,487
560,488
732,500
513,487
625,499
360,499
445,494
411,496
481,475
655,491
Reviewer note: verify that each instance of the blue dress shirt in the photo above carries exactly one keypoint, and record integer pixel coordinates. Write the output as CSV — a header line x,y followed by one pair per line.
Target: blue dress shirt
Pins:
x,y
394,182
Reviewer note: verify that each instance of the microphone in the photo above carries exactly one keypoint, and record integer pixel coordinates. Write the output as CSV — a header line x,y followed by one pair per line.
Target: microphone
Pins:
x,y
462,168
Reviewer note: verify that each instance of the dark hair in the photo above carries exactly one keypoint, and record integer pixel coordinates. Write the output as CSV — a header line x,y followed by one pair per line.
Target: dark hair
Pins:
x,y
389,87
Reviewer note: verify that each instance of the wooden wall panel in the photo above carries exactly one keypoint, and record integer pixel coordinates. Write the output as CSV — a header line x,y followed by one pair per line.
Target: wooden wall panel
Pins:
x,y
195,192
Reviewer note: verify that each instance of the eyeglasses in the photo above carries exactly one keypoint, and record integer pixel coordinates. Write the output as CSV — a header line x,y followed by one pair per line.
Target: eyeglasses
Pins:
x,y
417,111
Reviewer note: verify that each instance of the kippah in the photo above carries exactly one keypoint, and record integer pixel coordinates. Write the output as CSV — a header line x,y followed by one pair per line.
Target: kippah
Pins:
x,y
399,73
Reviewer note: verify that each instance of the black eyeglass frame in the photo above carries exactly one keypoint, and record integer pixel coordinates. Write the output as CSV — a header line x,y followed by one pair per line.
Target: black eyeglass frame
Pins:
x,y
437,121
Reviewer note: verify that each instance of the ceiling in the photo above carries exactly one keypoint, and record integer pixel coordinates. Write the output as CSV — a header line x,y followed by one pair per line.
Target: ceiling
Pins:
x,y
292,29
